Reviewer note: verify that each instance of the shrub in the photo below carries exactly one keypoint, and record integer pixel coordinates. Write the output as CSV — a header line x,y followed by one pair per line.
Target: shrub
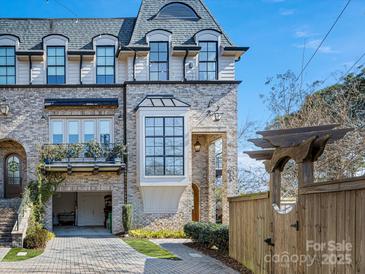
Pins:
x,y
37,238
127,217
160,234
208,234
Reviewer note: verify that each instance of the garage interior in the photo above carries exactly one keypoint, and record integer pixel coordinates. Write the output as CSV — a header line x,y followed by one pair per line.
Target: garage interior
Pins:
x,y
82,209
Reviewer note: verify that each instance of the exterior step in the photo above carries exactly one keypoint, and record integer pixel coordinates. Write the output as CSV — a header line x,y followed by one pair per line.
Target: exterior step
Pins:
x,y
10,203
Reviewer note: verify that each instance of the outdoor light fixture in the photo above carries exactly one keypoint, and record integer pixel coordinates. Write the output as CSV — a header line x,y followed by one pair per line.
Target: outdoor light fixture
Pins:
x,y
43,117
197,146
217,116
4,107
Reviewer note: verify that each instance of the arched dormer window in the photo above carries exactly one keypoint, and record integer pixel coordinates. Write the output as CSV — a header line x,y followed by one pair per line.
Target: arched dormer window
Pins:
x,y
177,10
8,45
56,46
209,41
105,46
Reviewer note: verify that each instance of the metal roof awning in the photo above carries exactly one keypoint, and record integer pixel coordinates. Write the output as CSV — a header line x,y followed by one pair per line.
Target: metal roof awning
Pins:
x,y
81,102
161,101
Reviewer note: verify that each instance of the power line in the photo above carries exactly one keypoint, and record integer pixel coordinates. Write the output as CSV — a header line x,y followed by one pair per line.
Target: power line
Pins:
x,y
354,64
65,7
324,38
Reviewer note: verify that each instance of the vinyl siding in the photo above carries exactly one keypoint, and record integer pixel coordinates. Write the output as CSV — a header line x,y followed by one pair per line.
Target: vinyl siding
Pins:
x,y
38,73
22,72
73,72
226,68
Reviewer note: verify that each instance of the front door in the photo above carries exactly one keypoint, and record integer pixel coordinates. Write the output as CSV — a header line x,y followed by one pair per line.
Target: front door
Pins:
x,y
196,209
13,176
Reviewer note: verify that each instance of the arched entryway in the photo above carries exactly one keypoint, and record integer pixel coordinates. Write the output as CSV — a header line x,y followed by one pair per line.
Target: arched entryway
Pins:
x,y
12,169
196,209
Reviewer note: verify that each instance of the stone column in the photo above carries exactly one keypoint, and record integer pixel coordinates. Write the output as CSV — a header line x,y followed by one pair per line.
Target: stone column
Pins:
x,y
48,215
117,208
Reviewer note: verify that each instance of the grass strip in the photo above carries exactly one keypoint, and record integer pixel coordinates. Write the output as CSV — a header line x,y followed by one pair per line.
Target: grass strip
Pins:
x,y
12,257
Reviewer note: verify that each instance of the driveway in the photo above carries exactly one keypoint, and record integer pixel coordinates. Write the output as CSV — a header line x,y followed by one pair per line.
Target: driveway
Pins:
x,y
101,253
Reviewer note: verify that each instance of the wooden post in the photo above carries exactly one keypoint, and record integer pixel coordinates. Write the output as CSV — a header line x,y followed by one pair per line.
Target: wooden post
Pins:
x,y
305,173
275,186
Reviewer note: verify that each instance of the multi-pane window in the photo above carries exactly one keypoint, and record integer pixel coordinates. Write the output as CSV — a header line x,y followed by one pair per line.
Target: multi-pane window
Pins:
x,y
56,65
105,65
159,62
208,60
7,65
81,130
164,147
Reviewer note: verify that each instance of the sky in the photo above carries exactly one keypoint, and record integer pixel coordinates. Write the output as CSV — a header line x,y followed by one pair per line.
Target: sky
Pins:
x,y
275,31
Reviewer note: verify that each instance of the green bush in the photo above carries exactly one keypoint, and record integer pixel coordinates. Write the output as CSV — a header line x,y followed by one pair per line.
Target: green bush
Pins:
x,y
160,234
208,234
127,217
37,238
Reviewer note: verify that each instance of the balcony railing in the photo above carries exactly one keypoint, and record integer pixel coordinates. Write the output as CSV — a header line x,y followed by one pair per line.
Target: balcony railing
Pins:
x,y
83,157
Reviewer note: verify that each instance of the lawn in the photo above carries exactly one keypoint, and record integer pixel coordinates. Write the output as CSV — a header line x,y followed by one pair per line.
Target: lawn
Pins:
x,y
12,257
148,248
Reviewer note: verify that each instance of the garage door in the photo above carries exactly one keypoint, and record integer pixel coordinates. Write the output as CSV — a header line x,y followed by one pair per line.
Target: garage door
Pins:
x,y
91,209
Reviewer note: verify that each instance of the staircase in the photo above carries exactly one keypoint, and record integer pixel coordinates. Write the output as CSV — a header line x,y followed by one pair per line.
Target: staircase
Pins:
x,y
8,216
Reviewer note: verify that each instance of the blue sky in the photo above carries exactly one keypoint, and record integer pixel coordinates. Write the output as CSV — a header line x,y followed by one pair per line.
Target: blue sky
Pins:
x,y
274,30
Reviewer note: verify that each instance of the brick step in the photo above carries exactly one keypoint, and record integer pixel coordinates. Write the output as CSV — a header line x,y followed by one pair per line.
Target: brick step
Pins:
x,y
6,229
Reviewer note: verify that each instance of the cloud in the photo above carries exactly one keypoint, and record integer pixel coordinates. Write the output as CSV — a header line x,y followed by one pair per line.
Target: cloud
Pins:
x,y
313,44
286,12
301,34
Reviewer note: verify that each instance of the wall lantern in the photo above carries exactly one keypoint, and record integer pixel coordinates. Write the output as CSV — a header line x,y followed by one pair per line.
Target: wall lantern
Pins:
x,y
4,107
197,146
217,116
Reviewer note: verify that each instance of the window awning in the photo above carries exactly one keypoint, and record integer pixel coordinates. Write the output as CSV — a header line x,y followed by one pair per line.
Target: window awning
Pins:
x,y
161,101
81,102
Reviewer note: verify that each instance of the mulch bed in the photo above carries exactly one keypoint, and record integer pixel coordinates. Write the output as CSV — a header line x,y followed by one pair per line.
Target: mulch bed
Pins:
x,y
218,255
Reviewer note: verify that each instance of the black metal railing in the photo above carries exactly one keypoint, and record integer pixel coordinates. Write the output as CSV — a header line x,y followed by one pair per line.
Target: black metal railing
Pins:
x,y
82,153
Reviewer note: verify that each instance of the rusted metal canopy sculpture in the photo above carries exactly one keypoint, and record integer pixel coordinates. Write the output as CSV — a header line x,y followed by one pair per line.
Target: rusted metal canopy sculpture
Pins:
x,y
304,145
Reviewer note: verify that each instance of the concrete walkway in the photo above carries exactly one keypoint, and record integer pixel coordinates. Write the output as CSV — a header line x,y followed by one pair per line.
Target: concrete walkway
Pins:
x,y
105,254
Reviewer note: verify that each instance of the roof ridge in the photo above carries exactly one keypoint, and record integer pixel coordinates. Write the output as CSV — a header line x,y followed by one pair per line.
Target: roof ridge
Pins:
x,y
66,18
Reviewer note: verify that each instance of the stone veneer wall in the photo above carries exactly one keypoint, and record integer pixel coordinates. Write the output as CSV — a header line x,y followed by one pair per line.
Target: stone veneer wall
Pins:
x,y
198,96
24,125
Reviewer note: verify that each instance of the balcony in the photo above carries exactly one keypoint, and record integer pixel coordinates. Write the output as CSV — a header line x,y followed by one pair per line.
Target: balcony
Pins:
x,y
88,157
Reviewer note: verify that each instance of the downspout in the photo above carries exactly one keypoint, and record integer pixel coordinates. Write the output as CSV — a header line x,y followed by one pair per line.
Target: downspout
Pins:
x,y
134,65
125,143
81,57
30,69
184,64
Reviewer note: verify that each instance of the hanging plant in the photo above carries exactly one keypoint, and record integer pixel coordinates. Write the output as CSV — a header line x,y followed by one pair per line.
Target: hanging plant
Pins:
x,y
74,150
93,150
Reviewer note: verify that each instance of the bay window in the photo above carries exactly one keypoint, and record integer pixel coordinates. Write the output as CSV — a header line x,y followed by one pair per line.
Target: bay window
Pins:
x,y
164,146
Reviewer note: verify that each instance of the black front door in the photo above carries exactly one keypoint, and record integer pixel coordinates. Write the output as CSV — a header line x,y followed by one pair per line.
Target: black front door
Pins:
x,y
13,176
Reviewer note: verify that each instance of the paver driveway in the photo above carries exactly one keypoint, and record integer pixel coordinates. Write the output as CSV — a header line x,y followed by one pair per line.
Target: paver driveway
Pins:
x,y
106,253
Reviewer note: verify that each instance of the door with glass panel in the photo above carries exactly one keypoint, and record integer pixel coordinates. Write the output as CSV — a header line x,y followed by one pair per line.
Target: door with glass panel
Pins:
x,y
13,176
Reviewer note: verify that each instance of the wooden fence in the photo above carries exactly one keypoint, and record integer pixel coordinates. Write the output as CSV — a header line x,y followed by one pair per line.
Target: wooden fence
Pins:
x,y
324,233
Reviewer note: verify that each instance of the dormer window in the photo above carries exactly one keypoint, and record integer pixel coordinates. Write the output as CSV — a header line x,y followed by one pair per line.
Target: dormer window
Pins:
x,y
105,65
7,65
208,65
159,65
56,69
177,11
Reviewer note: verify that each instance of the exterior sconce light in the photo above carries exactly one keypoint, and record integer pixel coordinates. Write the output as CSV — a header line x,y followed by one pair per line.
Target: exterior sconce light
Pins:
x,y
197,146
217,116
44,116
4,107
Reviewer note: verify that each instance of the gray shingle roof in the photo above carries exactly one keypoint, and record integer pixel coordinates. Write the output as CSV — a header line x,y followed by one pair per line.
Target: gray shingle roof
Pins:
x,y
183,31
79,31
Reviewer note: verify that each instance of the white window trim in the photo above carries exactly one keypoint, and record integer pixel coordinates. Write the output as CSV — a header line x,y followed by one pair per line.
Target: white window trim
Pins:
x,y
165,180
81,127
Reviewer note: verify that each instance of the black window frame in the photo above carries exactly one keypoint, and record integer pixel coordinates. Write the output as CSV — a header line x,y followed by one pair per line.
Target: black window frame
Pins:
x,y
207,61
164,155
6,66
56,66
104,66
160,62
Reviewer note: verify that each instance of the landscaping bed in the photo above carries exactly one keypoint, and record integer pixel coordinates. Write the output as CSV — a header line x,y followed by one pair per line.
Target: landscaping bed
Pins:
x,y
150,249
218,255
11,256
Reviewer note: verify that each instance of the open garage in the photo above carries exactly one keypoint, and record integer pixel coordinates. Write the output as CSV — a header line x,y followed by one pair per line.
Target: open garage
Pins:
x,y
81,208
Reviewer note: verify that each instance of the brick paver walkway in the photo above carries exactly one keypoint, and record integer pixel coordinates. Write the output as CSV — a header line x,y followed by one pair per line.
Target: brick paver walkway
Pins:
x,y
109,254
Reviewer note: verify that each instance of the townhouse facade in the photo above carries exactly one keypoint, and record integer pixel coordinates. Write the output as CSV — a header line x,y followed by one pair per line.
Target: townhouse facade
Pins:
x,y
162,83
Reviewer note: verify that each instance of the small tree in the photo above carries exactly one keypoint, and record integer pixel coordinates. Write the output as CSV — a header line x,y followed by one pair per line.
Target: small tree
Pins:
x,y
127,217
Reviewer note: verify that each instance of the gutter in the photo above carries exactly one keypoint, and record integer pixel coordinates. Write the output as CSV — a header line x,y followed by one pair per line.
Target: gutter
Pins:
x,y
30,69
125,176
80,68
134,65
184,64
